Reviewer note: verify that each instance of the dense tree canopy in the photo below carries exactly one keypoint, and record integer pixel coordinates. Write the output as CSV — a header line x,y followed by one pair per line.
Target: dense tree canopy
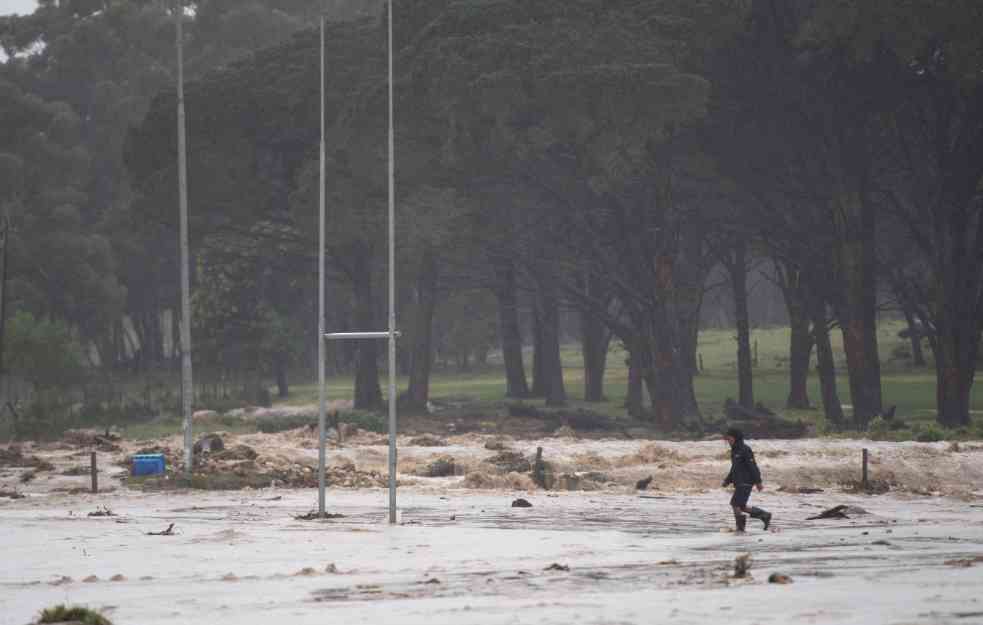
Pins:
x,y
554,159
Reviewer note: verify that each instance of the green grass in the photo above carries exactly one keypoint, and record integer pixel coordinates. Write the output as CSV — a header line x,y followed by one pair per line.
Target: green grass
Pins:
x,y
482,391
911,390
167,426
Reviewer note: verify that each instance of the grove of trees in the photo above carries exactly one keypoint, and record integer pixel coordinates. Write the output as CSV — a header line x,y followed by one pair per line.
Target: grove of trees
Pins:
x,y
603,160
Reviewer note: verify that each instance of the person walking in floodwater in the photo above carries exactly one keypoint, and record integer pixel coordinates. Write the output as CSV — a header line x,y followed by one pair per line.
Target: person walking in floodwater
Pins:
x,y
744,475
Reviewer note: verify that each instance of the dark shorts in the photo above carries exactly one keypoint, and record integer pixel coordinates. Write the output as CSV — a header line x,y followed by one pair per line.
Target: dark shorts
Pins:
x,y
742,492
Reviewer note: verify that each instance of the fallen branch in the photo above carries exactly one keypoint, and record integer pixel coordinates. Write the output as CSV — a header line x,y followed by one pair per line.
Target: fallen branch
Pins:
x,y
313,515
168,532
836,512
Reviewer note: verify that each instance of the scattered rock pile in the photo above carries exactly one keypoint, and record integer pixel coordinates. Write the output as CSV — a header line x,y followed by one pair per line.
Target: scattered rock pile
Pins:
x,y
442,466
510,462
497,444
581,480
427,441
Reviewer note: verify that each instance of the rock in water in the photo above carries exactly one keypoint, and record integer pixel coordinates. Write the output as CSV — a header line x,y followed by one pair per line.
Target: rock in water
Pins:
x,y
441,467
565,431
742,565
510,462
427,441
497,444
209,444
239,452
779,578
521,503
836,512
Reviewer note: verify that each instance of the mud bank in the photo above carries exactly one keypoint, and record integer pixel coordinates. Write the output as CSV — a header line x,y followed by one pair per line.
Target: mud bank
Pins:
x,y
486,462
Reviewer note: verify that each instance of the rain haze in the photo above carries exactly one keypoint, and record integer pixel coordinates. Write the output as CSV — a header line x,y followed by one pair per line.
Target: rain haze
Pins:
x,y
491,312
18,7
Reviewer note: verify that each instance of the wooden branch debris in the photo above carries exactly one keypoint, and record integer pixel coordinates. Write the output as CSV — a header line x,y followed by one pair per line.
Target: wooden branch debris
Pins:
x,y
168,532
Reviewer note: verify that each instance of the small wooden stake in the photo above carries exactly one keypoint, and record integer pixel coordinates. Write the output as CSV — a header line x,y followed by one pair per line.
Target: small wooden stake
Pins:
x,y
539,469
95,473
864,479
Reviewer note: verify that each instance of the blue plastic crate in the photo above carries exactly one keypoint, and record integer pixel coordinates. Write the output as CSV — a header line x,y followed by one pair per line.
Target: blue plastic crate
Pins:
x,y
148,464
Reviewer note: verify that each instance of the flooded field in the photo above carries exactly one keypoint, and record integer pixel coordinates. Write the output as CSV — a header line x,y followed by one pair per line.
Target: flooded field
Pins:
x,y
468,557
591,550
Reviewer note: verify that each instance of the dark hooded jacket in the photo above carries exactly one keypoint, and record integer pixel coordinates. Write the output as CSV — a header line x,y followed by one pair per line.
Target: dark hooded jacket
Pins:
x,y
743,468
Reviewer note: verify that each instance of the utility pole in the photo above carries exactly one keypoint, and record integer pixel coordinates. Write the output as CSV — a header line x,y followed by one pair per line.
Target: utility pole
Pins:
x,y
4,255
320,308
392,284
187,388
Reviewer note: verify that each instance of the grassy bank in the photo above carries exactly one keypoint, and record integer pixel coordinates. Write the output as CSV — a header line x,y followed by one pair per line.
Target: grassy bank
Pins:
x,y
911,389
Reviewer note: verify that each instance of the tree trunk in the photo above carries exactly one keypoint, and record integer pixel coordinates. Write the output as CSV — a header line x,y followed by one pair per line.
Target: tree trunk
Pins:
x,y
915,336
689,329
956,355
800,353
665,377
688,290
596,340
633,398
368,393
801,341
958,314
421,355
857,312
659,393
738,276
508,320
280,369
539,383
825,365
660,377
552,368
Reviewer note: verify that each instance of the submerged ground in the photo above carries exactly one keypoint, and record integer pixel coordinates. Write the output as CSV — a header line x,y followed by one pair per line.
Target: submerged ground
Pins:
x,y
468,557
462,554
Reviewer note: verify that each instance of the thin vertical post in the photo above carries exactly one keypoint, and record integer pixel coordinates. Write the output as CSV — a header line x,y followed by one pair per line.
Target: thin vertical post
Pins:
x,y
94,471
187,389
864,480
392,285
321,434
4,256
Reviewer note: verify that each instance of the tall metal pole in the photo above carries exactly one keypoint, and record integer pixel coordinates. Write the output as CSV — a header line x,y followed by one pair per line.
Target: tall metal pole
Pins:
x,y
187,390
320,306
4,256
392,285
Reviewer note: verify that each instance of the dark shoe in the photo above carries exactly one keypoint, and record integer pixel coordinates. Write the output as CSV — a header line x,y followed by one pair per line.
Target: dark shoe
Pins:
x,y
741,522
763,515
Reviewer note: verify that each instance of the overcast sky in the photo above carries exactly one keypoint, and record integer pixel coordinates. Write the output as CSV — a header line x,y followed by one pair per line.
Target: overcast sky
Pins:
x,y
17,6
